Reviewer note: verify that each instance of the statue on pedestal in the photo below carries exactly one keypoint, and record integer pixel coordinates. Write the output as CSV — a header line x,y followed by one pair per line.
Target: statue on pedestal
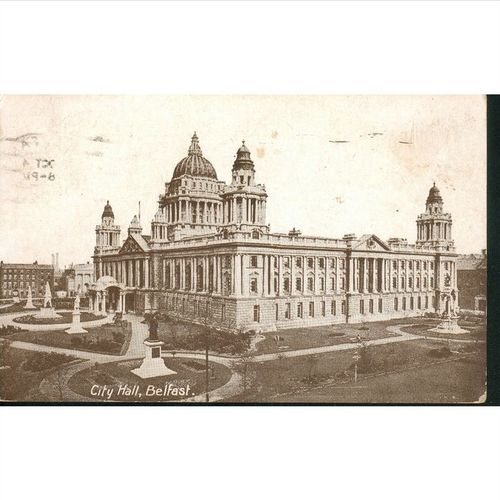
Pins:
x,y
47,300
75,325
153,365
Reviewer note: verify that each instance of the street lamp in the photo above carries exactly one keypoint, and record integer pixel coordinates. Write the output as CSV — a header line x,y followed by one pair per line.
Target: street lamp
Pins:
x,y
356,358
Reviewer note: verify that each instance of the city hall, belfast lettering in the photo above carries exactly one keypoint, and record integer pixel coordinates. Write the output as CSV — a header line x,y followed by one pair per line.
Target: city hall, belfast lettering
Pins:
x,y
211,257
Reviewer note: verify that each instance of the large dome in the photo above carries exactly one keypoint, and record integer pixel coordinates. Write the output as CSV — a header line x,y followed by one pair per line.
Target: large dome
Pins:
x,y
195,164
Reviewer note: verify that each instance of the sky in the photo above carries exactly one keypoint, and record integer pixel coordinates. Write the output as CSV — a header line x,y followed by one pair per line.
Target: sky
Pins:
x,y
331,165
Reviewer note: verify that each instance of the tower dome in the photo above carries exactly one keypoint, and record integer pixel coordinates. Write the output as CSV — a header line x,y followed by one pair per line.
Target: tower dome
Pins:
x,y
243,159
434,195
195,164
108,211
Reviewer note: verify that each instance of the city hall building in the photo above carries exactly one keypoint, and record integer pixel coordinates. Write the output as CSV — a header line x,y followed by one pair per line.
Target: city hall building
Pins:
x,y
211,257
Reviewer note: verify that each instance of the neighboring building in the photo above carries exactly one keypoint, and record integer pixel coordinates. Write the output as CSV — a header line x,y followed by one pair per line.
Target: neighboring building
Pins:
x,y
211,255
16,278
78,278
472,282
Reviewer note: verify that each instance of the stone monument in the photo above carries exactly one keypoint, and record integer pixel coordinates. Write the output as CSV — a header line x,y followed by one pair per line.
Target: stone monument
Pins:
x,y
76,327
47,311
153,365
450,320
29,300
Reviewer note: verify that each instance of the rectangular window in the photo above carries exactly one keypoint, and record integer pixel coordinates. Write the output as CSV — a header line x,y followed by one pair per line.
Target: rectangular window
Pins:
x,y
311,309
446,265
419,302
395,303
426,302
298,262
276,311
433,302
286,285
342,283
310,284
223,312
404,303
342,307
275,284
287,310
418,265
299,310
286,261
410,283
310,262
332,262
332,284
362,306
403,283
394,283
402,264
256,314
298,284
394,264
334,308
432,282
410,265
370,305
417,283
379,305
323,308
253,261
321,263
322,284
342,263
432,265
411,303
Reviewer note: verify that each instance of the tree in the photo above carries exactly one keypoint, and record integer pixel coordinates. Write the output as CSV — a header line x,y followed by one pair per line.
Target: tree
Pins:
x,y
243,366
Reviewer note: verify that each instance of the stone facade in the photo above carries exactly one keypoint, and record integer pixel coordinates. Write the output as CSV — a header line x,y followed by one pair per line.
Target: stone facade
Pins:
x,y
16,278
472,281
211,257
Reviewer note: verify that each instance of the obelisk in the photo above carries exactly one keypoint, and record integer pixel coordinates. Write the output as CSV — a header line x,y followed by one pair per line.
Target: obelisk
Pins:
x,y
29,300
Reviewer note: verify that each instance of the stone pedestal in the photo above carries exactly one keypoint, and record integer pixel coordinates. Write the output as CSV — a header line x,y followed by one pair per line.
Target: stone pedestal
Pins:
x,y
153,364
76,327
47,313
449,325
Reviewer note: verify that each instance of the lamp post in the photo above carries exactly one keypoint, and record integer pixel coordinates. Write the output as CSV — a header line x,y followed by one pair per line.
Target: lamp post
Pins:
x,y
356,358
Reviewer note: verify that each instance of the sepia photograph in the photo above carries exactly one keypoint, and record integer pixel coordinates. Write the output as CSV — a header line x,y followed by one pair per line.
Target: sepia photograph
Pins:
x,y
243,249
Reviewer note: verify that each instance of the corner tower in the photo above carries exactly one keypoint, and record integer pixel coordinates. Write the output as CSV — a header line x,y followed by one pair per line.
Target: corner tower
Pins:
x,y
244,200
107,233
434,226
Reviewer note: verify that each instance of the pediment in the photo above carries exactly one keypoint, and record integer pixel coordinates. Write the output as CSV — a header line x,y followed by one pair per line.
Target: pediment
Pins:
x,y
372,243
130,246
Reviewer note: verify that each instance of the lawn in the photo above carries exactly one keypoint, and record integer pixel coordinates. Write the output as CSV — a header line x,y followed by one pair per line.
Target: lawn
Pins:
x,y
105,339
317,336
477,329
16,307
113,375
26,369
66,317
328,377
184,336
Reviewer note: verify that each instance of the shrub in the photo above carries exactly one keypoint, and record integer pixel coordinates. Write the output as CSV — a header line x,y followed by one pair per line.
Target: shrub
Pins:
x,y
44,360
76,341
440,352
118,337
